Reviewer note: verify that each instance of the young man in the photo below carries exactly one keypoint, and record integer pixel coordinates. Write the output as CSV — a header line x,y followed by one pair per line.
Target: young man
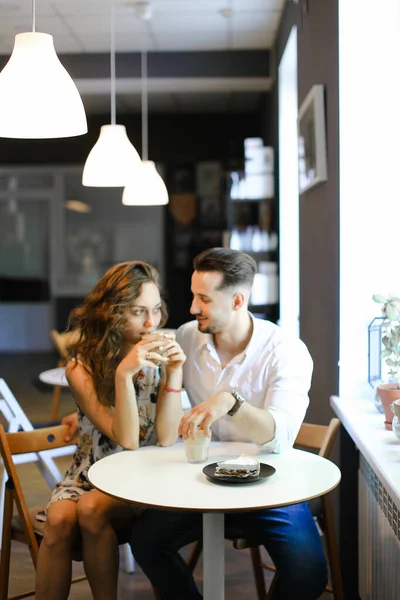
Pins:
x,y
247,381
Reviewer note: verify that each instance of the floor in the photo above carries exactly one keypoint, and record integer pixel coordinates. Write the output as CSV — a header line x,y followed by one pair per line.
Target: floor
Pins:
x,y
21,374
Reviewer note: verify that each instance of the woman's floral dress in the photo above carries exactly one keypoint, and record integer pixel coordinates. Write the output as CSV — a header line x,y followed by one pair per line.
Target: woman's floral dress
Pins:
x,y
94,445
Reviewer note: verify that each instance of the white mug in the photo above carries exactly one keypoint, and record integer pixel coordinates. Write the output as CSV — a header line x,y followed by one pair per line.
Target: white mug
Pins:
x,y
395,408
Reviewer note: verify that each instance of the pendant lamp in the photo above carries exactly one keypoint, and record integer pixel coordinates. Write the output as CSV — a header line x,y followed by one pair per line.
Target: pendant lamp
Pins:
x,y
113,158
38,98
146,187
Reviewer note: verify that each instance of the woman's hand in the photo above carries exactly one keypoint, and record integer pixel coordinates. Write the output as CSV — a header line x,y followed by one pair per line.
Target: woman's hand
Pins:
x,y
146,353
174,355
73,424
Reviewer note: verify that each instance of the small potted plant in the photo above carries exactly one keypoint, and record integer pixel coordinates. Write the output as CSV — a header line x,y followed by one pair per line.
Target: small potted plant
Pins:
x,y
388,392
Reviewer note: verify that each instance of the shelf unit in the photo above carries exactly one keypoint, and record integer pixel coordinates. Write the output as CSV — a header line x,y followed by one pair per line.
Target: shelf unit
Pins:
x,y
253,223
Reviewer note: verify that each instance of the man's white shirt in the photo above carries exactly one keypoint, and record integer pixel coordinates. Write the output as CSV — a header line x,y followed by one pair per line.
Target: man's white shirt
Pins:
x,y
273,372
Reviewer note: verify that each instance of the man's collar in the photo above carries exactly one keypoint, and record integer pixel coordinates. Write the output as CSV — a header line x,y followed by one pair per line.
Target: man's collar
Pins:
x,y
208,344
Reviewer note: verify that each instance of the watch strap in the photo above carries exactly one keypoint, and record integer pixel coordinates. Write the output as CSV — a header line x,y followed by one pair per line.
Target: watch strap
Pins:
x,y
239,400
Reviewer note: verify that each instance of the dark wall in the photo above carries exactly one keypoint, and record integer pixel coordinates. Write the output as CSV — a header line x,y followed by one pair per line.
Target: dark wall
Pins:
x,y
317,39
178,141
317,35
172,137
288,21
265,109
319,208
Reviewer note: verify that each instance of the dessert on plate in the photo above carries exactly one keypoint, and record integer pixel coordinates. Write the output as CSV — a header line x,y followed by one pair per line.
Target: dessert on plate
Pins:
x,y
242,466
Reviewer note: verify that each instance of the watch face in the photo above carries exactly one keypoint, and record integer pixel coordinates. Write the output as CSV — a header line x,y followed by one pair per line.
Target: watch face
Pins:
x,y
237,396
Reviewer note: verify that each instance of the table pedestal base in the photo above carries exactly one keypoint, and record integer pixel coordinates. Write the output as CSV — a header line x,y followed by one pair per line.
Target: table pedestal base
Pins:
x,y
213,556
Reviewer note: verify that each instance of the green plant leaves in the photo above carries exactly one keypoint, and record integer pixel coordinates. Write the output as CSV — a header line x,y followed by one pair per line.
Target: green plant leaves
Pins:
x,y
391,328
379,298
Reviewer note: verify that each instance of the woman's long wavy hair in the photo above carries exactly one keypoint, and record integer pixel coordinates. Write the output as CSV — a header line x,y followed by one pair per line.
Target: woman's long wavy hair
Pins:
x,y
101,322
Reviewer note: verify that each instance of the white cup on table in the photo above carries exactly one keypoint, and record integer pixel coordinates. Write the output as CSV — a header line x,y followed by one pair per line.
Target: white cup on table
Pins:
x,y
197,448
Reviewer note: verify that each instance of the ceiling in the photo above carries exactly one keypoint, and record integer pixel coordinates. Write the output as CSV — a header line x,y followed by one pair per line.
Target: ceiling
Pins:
x,y
83,26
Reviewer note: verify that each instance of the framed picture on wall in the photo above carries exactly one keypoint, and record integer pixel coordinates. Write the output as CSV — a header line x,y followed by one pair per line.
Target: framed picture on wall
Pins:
x,y
312,140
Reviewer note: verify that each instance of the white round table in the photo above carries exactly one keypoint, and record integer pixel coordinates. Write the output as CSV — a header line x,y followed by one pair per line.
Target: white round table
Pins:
x,y
161,478
54,377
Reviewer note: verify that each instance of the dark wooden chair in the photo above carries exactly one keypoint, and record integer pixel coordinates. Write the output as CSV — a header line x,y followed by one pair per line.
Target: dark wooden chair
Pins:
x,y
23,527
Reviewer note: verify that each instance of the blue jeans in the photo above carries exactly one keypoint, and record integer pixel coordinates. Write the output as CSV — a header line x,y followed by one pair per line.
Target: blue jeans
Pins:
x,y
289,535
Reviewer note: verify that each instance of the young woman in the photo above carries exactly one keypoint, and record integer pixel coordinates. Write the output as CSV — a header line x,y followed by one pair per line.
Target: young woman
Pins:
x,y
126,382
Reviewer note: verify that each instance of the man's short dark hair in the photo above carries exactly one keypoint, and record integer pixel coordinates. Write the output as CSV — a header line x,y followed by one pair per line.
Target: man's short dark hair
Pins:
x,y
236,267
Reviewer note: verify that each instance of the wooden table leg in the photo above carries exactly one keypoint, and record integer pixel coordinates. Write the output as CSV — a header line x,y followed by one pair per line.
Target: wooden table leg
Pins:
x,y
55,403
213,556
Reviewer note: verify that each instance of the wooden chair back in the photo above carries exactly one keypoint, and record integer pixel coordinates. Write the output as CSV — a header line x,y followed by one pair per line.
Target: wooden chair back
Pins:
x,y
62,341
12,444
318,437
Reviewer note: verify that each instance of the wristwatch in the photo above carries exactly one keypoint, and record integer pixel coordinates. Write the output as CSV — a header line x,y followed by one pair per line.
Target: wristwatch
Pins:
x,y
239,400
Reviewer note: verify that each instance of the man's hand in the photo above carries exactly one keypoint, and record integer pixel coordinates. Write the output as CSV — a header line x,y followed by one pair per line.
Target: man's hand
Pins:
x,y
204,414
72,421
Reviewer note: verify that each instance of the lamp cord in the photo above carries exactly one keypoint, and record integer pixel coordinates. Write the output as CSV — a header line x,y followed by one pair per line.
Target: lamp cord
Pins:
x,y
145,140
112,63
33,16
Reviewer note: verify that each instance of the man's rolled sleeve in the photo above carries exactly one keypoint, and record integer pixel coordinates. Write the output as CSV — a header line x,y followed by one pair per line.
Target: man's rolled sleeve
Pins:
x,y
287,400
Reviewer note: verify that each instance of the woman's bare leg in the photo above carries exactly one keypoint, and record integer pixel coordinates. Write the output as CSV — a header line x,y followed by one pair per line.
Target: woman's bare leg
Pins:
x,y
54,563
99,516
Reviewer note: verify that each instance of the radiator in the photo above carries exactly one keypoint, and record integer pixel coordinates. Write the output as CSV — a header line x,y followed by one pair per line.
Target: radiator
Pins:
x,y
379,538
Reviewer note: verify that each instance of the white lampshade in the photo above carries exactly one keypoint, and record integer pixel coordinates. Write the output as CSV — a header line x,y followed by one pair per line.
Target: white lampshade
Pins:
x,y
146,188
38,98
112,160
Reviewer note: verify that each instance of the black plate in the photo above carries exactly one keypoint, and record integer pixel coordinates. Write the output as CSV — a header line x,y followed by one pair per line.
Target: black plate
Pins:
x,y
265,471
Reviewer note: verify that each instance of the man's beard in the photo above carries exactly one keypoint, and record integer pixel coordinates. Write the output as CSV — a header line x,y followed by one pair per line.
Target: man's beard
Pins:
x,y
210,329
